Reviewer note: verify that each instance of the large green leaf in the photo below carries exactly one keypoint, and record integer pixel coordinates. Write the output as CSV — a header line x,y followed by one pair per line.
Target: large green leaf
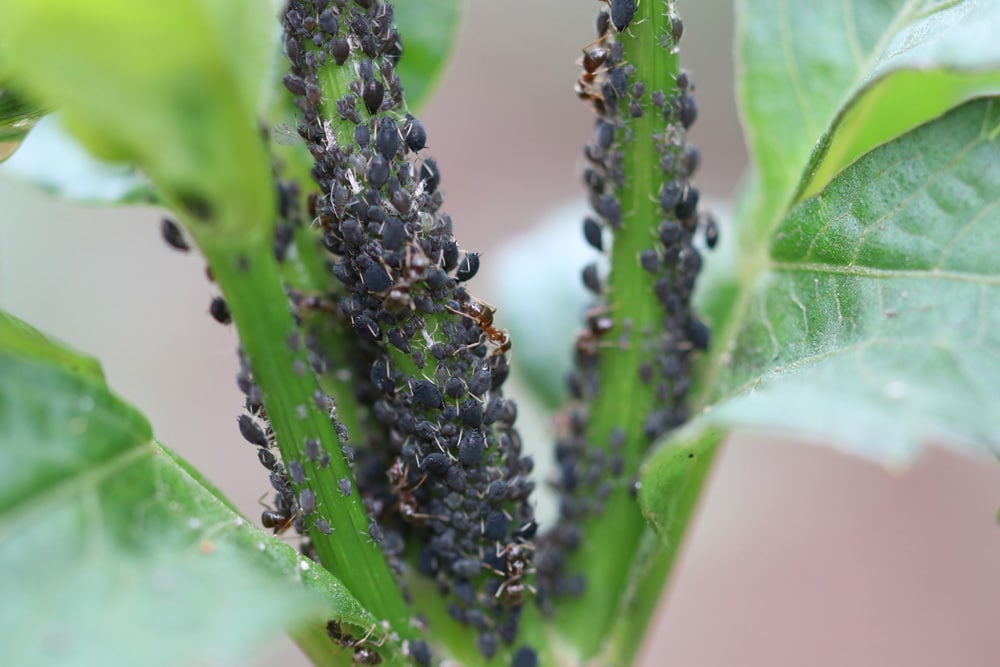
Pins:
x,y
821,83
112,551
874,325
172,87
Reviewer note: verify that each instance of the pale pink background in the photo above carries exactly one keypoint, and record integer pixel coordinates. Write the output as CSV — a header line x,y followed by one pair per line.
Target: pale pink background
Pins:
x,y
800,556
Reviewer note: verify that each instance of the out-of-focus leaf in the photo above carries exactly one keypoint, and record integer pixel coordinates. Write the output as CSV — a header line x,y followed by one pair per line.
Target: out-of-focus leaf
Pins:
x,y
111,551
429,29
172,87
17,117
821,83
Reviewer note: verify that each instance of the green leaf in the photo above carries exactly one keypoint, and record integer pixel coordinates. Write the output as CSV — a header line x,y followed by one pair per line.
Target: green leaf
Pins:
x,y
823,83
429,29
172,87
113,551
873,324
17,117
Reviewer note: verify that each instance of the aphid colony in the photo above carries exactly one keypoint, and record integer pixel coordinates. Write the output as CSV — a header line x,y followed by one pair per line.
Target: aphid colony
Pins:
x,y
442,472
588,472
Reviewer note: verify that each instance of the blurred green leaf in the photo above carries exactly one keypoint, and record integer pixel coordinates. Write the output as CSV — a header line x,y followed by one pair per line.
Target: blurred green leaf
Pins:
x,y
17,117
822,83
429,29
172,87
111,551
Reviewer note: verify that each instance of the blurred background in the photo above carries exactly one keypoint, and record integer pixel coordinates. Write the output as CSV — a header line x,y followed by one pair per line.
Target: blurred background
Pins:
x,y
800,556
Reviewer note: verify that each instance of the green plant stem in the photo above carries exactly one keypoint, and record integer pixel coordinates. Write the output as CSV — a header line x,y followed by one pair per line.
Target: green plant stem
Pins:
x,y
248,275
611,539
676,494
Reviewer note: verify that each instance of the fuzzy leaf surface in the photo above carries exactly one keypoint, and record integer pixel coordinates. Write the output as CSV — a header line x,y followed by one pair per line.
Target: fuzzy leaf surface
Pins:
x,y
114,551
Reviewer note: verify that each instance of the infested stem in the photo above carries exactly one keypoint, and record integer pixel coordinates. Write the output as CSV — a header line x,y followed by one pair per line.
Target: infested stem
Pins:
x,y
648,354
249,279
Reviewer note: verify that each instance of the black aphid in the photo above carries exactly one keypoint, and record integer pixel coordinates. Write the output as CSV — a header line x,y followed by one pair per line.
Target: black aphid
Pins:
x,y
699,333
220,311
387,139
688,113
267,458
486,642
470,450
605,134
688,205
173,235
622,12
427,394
593,234
372,96
415,134
670,195
525,657
296,472
468,267
590,278
252,432
649,259
378,171
307,501
375,532
313,450
421,652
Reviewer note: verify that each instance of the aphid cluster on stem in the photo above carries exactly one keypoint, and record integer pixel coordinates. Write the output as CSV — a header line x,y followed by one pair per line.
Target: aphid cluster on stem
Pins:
x,y
625,100
444,470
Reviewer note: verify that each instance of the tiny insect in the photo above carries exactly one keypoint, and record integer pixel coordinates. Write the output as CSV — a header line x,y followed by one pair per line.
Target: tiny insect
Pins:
x,y
514,588
482,313
173,236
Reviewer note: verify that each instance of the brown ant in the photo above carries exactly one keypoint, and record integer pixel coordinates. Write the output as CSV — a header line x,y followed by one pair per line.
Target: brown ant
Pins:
x,y
512,591
398,474
363,653
598,325
482,314
415,265
278,521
